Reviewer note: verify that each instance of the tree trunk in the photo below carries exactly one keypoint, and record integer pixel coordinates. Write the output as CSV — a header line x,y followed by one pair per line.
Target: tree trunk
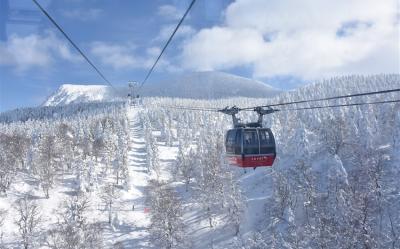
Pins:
x,y
109,212
187,186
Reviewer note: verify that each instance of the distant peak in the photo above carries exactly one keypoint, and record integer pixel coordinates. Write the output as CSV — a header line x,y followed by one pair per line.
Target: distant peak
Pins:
x,y
80,87
197,85
70,93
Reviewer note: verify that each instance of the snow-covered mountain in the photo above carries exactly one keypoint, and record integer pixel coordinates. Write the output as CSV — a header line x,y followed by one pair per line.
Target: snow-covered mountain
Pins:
x,y
200,85
210,85
68,94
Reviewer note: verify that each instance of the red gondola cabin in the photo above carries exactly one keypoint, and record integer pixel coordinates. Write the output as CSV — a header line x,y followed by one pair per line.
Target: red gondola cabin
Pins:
x,y
250,147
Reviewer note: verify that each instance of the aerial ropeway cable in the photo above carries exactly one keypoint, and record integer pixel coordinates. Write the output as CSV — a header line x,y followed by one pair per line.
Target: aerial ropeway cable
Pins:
x,y
291,109
329,98
343,105
305,101
73,44
166,44
192,108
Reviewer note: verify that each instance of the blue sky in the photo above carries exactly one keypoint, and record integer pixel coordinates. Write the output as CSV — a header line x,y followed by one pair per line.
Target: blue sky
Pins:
x,y
270,41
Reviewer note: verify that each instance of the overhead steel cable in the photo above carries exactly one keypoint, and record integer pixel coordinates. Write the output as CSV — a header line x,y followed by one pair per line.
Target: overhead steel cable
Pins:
x,y
291,109
166,44
328,98
192,108
72,43
305,101
342,105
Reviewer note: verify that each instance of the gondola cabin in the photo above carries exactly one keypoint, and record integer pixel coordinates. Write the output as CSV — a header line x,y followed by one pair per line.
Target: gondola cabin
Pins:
x,y
250,147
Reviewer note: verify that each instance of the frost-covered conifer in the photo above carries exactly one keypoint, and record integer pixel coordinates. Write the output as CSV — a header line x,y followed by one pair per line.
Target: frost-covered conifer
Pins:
x,y
167,226
73,230
48,153
109,195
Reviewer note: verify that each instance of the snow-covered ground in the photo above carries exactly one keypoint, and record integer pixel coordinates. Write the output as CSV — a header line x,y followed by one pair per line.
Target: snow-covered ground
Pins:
x,y
131,229
130,218
334,183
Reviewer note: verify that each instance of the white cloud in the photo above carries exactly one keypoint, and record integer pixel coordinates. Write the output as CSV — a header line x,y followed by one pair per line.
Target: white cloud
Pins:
x,y
169,12
308,39
124,56
153,51
83,14
25,52
219,48
117,56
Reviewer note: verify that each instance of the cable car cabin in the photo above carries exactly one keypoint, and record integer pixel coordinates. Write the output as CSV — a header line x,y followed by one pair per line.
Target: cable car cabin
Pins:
x,y
250,147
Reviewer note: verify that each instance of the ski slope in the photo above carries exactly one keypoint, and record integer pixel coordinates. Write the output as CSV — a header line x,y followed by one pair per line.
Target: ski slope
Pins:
x,y
137,220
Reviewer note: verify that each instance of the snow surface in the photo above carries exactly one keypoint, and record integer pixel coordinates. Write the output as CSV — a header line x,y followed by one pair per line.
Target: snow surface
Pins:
x,y
210,85
68,94
201,85
299,139
129,227
132,230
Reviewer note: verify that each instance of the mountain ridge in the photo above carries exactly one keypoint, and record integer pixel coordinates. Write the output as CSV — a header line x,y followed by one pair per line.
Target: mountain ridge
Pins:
x,y
199,85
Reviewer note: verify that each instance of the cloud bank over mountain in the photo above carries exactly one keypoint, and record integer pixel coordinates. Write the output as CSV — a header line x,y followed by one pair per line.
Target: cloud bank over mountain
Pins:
x,y
306,39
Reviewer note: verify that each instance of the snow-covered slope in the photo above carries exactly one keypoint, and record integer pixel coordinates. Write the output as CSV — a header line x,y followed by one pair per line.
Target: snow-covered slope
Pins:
x,y
334,183
68,94
210,85
201,85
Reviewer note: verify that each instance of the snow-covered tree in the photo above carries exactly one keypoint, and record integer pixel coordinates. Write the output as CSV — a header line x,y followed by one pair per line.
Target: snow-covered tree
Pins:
x,y
109,195
212,178
187,162
48,154
167,226
3,214
13,155
28,220
73,229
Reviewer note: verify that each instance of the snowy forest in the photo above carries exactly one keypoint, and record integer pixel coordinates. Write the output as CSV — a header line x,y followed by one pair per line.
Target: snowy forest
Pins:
x,y
113,175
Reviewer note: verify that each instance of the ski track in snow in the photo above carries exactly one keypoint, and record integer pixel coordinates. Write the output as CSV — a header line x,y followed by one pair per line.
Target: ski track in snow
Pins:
x,y
132,230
